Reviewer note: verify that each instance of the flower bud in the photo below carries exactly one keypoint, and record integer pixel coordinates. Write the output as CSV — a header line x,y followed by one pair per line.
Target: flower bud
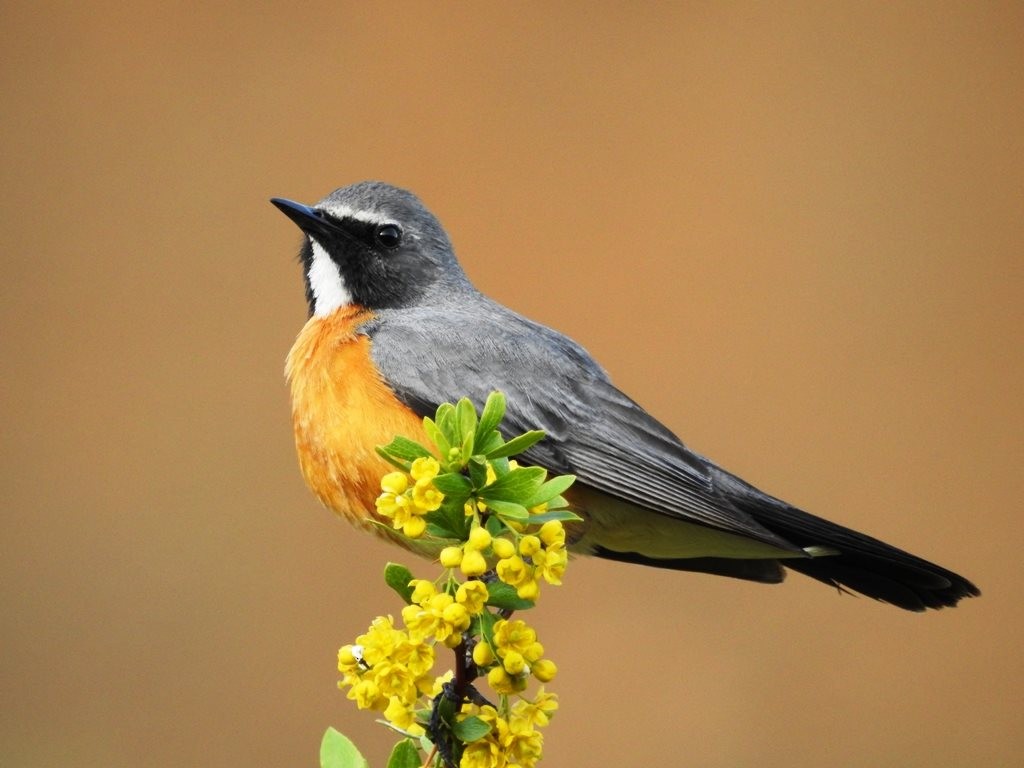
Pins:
x,y
479,538
451,557
503,548
514,663
483,656
544,670
473,563
414,527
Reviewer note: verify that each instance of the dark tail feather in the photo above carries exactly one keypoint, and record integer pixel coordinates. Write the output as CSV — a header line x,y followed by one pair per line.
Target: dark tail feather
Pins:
x,y
864,564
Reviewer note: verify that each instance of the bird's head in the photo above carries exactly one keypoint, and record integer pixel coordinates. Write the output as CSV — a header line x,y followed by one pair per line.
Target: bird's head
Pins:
x,y
373,245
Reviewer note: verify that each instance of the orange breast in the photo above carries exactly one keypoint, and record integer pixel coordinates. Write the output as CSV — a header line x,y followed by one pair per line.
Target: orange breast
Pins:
x,y
341,410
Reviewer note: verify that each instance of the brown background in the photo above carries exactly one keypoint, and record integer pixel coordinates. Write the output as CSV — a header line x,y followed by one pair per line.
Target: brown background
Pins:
x,y
794,233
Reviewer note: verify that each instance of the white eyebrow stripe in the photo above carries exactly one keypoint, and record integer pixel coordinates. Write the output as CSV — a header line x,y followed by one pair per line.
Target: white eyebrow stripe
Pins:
x,y
348,212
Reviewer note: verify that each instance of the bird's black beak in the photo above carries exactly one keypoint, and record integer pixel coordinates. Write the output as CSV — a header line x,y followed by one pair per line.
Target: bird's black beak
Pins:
x,y
309,220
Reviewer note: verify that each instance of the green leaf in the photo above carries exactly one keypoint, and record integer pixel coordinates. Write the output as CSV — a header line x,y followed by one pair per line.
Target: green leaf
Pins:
x,y
549,490
477,467
404,755
447,424
517,444
494,526
508,510
490,417
398,577
482,626
485,444
436,437
337,751
438,529
501,595
426,744
469,729
553,514
453,484
465,417
450,519
404,448
519,485
467,445
382,451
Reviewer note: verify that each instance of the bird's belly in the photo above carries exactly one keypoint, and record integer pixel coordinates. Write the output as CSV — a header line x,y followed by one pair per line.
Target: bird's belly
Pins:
x,y
342,410
623,527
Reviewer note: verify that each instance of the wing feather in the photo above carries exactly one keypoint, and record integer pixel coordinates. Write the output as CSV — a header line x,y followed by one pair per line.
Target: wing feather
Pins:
x,y
594,431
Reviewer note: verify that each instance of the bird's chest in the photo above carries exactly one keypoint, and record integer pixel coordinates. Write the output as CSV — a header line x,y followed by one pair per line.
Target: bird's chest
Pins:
x,y
341,410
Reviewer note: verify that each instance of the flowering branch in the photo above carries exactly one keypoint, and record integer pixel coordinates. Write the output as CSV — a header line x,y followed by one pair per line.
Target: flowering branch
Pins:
x,y
495,528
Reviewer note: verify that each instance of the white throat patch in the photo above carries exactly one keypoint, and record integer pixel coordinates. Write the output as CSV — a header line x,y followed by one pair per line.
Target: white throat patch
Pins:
x,y
326,282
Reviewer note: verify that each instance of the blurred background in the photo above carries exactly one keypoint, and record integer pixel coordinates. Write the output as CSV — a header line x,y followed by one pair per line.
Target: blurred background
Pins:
x,y
792,231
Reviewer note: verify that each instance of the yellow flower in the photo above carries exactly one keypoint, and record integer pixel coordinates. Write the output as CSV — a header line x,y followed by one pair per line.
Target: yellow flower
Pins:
x,y
552,533
524,743
424,468
380,641
393,485
414,527
514,635
513,570
438,615
457,616
528,590
533,651
367,695
528,545
473,595
417,655
395,680
514,663
538,712
502,682
403,716
550,563
406,507
482,753
426,497
422,590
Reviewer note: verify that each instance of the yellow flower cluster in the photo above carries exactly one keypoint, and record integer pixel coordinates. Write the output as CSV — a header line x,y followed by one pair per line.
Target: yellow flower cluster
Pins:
x,y
406,504
519,564
534,557
441,615
388,669
513,740
513,655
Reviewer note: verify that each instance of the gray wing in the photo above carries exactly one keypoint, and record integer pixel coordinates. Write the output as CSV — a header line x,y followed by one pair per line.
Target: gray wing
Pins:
x,y
594,431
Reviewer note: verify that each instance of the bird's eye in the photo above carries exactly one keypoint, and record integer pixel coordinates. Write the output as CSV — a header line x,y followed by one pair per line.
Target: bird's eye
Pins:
x,y
388,235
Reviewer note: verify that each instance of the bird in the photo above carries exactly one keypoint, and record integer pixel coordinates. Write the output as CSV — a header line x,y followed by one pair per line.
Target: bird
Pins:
x,y
396,328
